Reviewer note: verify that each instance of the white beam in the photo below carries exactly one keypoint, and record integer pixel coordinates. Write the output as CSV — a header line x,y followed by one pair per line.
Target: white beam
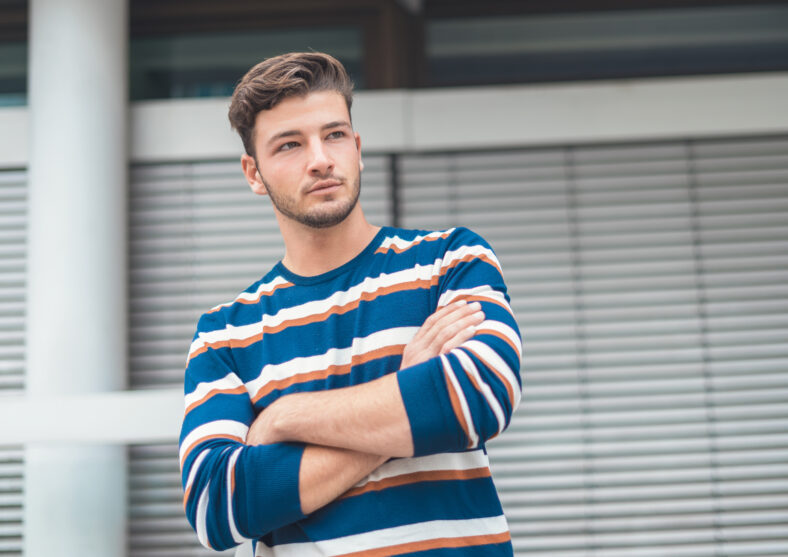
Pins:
x,y
75,496
624,110
475,117
14,137
120,417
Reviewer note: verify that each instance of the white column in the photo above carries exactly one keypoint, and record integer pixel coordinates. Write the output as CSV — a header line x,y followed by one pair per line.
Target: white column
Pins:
x,y
75,494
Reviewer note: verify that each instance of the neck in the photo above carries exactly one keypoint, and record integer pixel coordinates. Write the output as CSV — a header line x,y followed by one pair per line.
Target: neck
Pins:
x,y
314,251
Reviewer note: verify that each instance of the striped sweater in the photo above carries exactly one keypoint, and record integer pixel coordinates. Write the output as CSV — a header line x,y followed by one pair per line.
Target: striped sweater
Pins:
x,y
287,334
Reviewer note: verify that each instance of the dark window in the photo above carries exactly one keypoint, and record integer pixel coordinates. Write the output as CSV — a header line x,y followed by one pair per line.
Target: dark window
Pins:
x,y
606,44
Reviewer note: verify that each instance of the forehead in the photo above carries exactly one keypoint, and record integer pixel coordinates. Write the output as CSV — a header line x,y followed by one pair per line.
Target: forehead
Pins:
x,y
302,113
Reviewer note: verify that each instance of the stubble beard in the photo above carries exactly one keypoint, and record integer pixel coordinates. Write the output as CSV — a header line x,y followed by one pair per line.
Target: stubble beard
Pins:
x,y
318,217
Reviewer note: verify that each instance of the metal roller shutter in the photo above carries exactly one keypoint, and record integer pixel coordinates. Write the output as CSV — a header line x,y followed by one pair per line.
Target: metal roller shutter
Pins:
x,y
741,202
11,503
650,286
649,281
157,523
13,237
198,237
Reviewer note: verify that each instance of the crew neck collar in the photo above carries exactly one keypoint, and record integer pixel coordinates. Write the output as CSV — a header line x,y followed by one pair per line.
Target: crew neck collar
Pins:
x,y
358,259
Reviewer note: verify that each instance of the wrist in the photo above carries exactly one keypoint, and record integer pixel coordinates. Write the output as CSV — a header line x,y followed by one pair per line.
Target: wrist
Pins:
x,y
268,426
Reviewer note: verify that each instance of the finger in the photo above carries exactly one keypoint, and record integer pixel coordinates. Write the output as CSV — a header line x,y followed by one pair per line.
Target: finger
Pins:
x,y
449,333
440,319
465,334
448,320
456,327
441,312
459,313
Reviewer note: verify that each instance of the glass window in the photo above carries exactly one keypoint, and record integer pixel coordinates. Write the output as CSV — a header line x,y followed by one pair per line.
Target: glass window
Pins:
x,y
609,44
13,74
210,64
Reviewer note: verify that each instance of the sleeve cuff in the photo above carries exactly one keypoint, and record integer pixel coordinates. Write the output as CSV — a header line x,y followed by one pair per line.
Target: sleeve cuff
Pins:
x,y
270,500
432,422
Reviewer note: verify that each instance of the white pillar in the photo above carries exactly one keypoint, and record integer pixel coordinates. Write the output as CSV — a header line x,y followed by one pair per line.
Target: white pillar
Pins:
x,y
75,495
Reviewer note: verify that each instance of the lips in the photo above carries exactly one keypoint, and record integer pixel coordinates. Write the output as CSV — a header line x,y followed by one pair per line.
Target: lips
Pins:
x,y
324,185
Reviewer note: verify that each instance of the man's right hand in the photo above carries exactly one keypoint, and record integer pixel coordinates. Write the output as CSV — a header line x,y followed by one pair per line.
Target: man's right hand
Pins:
x,y
445,329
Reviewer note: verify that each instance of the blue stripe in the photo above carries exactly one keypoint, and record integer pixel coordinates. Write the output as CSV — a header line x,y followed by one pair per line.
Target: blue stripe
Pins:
x,y
491,550
266,495
396,506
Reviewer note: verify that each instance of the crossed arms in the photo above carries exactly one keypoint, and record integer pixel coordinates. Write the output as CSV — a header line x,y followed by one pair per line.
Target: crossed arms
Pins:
x,y
350,432
247,473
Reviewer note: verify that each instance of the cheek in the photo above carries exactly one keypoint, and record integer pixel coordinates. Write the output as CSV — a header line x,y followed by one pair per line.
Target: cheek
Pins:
x,y
284,171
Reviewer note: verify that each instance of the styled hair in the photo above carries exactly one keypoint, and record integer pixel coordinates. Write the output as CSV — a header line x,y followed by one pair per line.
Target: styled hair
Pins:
x,y
275,79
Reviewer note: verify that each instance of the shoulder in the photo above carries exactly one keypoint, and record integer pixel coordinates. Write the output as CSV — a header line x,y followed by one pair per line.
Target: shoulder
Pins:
x,y
234,311
436,241
461,236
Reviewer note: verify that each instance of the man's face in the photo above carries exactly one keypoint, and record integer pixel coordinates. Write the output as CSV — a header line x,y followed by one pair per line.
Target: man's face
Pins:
x,y
308,159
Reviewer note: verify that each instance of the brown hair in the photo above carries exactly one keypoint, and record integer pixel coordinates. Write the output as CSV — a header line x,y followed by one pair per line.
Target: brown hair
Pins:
x,y
275,79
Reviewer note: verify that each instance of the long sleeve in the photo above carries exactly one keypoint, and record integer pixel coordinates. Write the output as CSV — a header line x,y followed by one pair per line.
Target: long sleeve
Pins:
x,y
460,400
232,492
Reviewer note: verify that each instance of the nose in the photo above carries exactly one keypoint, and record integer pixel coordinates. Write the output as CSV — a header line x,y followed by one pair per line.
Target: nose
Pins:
x,y
320,161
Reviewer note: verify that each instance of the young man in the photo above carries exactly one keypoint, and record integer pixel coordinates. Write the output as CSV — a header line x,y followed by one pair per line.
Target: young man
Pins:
x,y
340,405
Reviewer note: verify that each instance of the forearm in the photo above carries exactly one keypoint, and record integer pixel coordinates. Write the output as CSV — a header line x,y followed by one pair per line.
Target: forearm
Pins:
x,y
328,472
367,418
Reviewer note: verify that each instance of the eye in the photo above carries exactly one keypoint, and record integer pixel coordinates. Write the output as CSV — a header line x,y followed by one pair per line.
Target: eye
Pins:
x,y
336,135
287,146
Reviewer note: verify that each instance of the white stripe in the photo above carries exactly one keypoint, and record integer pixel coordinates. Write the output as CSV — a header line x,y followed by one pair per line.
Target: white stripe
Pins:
x,y
484,291
229,381
506,331
491,357
432,463
254,296
237,537
217,427
476,250
316,307
443,461
402,244
338,299
230,332
492,402
247,550
333,357
200,522
195,467
387,537
473,438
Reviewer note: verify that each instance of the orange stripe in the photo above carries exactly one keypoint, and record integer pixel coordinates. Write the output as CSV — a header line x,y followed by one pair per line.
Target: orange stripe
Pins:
x,y
315,318
500,335
186,496
426,545
416,477
485,259
245,301
497,374
396,249
473,298
455,404
334,370
213,392
471,377
350,306
206,438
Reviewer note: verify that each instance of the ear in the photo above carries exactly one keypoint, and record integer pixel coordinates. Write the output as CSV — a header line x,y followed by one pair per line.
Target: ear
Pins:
x,y
358,148
252,175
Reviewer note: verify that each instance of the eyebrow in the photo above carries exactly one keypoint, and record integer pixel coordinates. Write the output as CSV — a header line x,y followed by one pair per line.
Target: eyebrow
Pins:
x,y
291,133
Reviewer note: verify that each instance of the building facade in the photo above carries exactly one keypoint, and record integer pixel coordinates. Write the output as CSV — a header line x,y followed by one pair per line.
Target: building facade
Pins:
x,y
641,221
